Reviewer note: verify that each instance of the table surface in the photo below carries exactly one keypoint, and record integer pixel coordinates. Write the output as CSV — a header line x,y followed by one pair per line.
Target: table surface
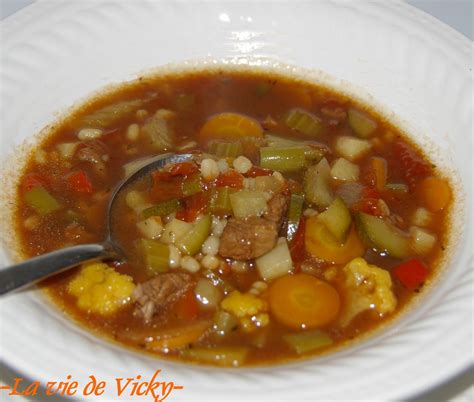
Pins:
x,y
459,14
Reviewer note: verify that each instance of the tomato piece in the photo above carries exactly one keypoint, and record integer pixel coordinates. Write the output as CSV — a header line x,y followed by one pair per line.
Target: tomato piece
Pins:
x,y
193,206
187,307
165,187
79,182
302,301
257,171
413,166
230,178
183,169
411,273
297,248
33,180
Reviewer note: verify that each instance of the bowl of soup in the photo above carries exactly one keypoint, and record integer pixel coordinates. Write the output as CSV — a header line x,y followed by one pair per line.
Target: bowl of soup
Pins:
x,y
310,230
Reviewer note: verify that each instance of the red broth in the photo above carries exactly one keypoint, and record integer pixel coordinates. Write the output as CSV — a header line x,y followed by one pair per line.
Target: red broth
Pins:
x,y
305,220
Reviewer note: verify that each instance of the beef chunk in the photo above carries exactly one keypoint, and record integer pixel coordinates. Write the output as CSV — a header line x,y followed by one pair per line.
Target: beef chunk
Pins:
x,y
277,208
245,239
154,295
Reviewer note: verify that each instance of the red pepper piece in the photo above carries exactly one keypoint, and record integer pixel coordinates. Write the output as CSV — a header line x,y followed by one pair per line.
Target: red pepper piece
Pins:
x,y
411,273
79,182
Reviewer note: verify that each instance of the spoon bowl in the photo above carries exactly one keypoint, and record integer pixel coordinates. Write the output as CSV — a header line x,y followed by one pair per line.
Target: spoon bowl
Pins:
x,y
35,269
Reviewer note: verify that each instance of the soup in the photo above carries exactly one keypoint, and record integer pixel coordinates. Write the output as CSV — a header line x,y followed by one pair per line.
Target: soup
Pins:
x,y
303,220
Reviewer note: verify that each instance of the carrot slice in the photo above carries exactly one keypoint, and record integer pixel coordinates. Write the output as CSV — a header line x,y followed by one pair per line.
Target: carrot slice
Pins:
x,y
302,301
435,193
321,243
179,337
230,126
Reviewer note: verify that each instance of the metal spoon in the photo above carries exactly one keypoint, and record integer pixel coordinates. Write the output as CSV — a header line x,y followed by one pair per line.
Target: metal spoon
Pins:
x,y
35,269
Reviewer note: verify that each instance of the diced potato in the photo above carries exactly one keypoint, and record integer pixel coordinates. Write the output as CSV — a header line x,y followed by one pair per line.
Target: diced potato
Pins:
x,y
89,134
275,263
352,148
174,230
208,294
362,124
422,240
67,149
137,200
151,227
268,183
247,203
421,217
344,170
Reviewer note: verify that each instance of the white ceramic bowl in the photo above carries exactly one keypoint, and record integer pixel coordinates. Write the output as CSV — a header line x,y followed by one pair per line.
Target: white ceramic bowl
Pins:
x,y
55,54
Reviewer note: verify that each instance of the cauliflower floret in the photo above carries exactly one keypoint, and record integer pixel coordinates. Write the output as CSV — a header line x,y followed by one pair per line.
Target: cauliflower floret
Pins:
x,y
368,287
100,289
250,310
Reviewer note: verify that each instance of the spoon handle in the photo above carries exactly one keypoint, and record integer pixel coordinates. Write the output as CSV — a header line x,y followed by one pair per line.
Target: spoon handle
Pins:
x,y
35,269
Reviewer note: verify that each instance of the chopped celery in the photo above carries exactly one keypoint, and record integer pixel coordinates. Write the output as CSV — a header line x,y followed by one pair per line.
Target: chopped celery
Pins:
x,y
337,219
39,199
226,149
382,235
190,243
161,209
159,131
247,203
220,201
288,159
294,214
110,114
229,356
274,140
155,254
316,184
192,185
224,322
304,342
360,123
275,263
304,122
398,187
313,151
